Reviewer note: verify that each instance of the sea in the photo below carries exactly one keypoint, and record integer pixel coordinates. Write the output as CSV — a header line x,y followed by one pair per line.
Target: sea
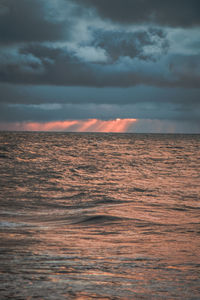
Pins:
x,y
99,216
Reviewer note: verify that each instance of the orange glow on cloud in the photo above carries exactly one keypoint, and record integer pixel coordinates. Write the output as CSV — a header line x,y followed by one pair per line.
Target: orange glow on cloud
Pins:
x,y
90,125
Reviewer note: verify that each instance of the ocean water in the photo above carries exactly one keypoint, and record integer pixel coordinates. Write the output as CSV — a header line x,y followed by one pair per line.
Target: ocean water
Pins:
x,y
99,216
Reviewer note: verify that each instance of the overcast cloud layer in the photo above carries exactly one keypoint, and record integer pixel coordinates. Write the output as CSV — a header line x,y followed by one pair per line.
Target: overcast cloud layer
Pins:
x,y
105,59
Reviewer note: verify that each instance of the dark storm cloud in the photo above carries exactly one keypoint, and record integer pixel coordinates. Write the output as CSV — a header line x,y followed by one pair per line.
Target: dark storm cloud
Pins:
x,y
131,58
120,43
142,110
55,66
28,20
36,95
41,51
116,44
183,13
186,68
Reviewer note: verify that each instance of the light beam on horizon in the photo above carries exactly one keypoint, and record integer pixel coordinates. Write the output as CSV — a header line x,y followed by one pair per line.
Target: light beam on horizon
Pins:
x,y
89,125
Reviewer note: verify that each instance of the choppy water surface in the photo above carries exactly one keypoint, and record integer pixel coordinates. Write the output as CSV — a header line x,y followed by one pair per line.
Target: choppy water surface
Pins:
x,y
99,216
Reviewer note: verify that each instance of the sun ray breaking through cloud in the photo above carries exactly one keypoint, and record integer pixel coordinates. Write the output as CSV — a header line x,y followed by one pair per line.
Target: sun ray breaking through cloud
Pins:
x,y
89,125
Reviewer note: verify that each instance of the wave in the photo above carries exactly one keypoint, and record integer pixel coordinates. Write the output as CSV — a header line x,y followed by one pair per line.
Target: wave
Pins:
x,y
98,219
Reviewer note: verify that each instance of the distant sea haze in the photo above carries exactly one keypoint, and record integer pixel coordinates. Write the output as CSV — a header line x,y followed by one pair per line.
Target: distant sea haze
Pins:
x,y
99,216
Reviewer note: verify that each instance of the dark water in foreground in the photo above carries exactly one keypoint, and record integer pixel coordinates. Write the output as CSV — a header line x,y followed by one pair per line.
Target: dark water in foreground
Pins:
x,y
99,216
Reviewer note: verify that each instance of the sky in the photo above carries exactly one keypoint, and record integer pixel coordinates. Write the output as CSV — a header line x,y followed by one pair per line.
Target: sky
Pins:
x,y
100,65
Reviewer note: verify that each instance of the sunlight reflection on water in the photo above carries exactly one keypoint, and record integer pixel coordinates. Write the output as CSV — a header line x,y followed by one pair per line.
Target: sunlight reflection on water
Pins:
x,y
99,216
